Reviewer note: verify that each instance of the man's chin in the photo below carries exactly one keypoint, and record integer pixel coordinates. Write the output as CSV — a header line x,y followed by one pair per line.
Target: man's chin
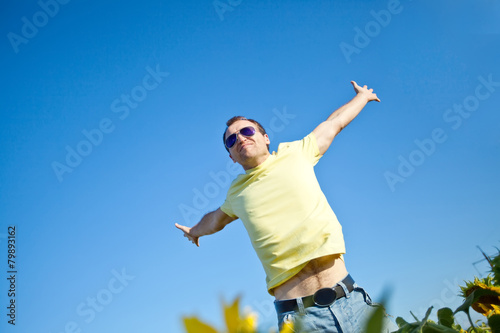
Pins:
x,y
245,155
246,150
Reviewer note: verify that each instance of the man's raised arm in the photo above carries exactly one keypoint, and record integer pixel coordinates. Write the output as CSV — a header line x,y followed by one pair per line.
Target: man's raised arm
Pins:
x,y
210,223
340,118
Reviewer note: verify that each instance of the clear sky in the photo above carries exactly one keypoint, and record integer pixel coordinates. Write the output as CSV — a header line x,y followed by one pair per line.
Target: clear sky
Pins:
x,y
111,130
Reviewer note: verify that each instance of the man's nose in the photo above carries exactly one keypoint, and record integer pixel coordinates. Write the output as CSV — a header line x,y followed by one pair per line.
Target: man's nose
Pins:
x,y
238,136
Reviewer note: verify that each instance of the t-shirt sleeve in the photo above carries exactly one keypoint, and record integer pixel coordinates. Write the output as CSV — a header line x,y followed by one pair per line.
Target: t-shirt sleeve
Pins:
x,y
227,209
308,146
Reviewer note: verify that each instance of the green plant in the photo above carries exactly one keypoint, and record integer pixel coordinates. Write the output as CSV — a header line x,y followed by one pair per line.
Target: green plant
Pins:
x,y
482,295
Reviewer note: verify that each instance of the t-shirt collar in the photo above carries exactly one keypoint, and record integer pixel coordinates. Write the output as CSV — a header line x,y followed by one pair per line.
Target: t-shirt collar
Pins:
x,y
262,165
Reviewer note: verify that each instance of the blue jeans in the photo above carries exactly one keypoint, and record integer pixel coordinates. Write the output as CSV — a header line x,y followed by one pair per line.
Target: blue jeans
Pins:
x,y
347,315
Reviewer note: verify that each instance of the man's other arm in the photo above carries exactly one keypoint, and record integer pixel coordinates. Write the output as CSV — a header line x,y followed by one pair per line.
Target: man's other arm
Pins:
x,y
340,118
210,223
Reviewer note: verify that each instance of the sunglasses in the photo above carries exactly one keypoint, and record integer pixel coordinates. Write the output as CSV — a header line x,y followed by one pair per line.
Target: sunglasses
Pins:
x,y
245,131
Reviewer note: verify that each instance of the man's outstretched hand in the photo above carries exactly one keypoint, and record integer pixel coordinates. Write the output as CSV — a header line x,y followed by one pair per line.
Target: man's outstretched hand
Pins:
x,y
188,235
368,93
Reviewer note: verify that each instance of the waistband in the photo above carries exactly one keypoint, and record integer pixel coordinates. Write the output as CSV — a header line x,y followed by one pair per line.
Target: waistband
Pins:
x,y
322,298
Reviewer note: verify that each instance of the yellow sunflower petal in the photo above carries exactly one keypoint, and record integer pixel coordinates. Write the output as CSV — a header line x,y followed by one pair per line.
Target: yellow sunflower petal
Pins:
x,y
194,325
249,323
287,328
232,316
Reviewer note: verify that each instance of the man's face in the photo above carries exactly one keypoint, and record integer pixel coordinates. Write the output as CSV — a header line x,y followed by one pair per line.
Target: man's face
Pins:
x,y
246,148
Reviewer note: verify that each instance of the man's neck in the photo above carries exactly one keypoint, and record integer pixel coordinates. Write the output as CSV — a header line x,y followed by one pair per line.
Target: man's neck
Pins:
x,y
255,162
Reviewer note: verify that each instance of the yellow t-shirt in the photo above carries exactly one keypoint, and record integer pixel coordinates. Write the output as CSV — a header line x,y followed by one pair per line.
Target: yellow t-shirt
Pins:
x,y
286,214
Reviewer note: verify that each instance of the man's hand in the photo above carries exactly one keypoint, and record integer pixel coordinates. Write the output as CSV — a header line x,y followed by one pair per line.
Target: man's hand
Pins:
x,y
210,223
364,91
187,233
340,118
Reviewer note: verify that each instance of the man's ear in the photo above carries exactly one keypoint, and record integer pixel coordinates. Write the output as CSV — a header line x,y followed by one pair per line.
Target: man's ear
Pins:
x,y
231,157
266,139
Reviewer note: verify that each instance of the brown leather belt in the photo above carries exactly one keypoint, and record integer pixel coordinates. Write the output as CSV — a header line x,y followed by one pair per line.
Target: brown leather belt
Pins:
x,y
322,298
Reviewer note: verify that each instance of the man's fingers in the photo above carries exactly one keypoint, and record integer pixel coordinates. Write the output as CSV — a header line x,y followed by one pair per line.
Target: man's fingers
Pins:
x,y
195,241
181,227
364,90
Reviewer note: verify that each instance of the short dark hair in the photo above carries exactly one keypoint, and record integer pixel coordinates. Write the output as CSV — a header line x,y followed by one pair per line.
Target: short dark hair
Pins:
x,y
235,119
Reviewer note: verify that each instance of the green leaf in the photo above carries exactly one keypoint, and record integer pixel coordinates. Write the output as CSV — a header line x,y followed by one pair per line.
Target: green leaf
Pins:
x,y
436,328
410,328
427,314
375,322
413,327
445,317
424,321
418,321
495,269
401,322
494,322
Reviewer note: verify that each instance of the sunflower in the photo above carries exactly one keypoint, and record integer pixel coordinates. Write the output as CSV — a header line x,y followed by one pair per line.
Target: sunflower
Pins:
x,y
487,305
235,322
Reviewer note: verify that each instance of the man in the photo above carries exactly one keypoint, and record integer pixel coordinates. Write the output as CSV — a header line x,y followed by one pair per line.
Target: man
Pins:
x,y
290,223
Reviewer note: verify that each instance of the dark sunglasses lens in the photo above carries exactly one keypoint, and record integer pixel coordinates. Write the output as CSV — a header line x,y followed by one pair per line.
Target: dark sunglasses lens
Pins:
x,y
247,131
231,140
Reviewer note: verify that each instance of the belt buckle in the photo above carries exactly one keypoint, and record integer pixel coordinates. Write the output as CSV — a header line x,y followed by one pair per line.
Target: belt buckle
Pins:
x,y
324,297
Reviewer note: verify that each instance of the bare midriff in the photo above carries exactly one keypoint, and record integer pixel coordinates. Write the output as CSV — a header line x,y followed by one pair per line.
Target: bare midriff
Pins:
x,y
323,272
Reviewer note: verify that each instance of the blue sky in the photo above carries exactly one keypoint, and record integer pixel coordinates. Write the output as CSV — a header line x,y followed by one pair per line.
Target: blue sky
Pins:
x,y
111,126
